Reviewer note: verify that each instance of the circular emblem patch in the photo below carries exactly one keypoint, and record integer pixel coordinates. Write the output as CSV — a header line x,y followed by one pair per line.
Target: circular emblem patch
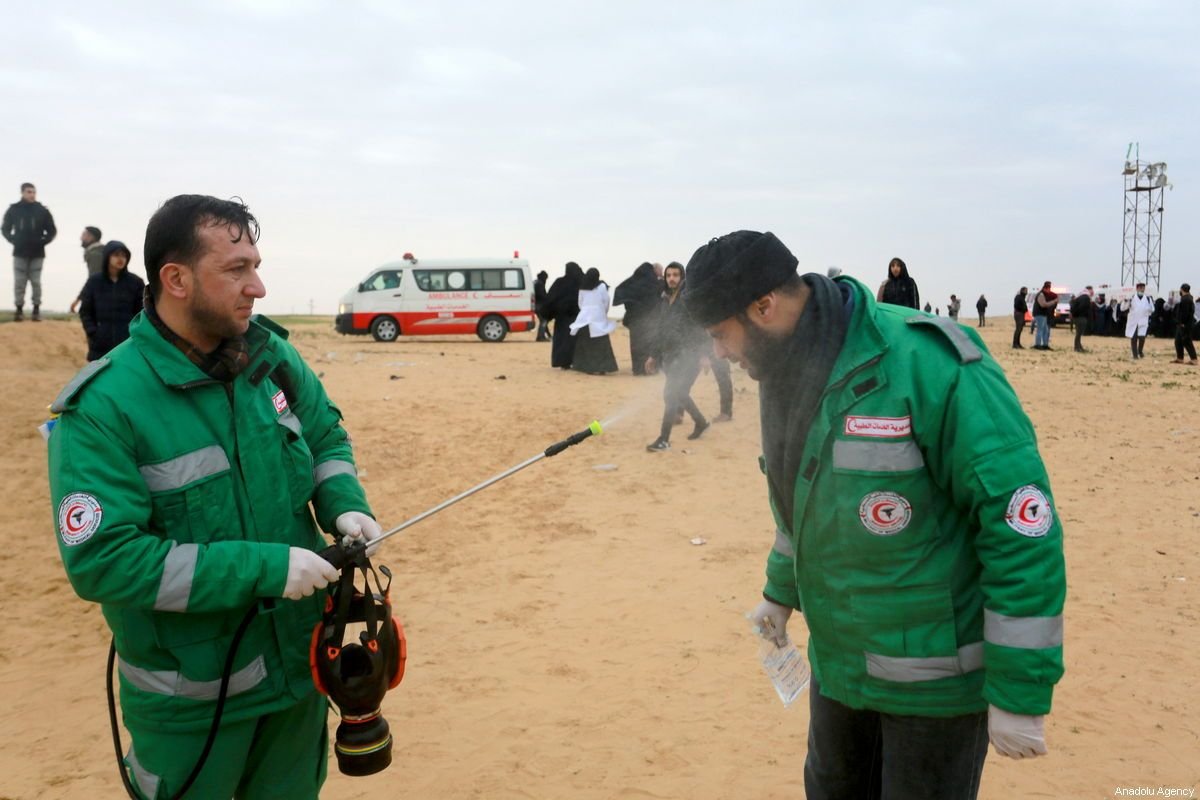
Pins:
x,y
1029,512
884,513
79,517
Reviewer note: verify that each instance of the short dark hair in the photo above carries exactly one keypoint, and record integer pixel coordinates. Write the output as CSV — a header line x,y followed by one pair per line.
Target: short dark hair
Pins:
x,y
172,234
27,185
95,232
675,265
1185,288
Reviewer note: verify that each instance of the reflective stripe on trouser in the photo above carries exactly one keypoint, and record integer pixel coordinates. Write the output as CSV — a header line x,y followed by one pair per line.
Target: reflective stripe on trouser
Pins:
x,y
174,684
143,779
1030,633
903,669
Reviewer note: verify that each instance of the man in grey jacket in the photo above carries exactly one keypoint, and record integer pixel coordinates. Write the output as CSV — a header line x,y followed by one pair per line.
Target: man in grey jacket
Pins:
x,y
29,227
93,256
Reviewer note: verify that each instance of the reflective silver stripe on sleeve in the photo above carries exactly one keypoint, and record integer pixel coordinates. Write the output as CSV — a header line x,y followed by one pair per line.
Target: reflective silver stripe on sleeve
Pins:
x,y
173,684
185,469
967,350
915,670
1030,633
872,456
328,469
175,587
146,781
290,421
783,544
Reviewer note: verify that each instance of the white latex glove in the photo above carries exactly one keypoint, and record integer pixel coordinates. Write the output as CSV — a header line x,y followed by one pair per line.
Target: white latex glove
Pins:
x,y
307,572
357,525
770,621
1016,735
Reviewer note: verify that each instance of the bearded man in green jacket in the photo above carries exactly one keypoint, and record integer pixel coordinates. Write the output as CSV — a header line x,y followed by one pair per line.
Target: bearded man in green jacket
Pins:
x,y
185,471
915,526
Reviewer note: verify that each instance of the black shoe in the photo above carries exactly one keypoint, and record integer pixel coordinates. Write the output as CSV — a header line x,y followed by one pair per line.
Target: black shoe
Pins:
x,y
37,314
699,430
19,314
658,445
1018,347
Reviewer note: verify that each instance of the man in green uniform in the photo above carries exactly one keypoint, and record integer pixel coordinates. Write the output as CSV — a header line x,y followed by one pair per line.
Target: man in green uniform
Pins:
x,y
182,470
915,525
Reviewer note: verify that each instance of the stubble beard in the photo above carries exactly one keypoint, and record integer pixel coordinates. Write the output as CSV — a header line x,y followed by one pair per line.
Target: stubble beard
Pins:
x,y
763,353
211,321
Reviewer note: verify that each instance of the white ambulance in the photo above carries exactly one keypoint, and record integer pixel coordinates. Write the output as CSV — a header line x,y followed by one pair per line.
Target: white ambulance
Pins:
x,y
485,296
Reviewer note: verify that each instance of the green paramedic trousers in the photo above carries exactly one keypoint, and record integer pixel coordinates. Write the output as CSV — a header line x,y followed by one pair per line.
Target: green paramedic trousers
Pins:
x,y
281,755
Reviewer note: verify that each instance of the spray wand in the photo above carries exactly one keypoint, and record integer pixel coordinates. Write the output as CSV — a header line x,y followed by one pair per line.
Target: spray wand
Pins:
x,y
340,555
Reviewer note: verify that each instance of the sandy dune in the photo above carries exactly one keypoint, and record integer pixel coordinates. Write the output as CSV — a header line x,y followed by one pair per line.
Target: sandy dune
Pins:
x,y
567,640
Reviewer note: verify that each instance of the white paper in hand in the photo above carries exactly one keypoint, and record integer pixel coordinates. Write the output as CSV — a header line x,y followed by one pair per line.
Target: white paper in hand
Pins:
x,y
786,668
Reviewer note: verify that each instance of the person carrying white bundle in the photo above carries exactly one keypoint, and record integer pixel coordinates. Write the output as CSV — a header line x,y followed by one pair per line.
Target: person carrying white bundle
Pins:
x,y
593,350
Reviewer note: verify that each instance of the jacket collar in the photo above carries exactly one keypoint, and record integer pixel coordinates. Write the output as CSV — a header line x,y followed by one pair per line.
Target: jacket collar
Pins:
x,y
172,366
864,343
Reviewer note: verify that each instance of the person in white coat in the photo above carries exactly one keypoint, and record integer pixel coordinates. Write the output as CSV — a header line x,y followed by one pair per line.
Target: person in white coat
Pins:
x,y
593,350
1137,324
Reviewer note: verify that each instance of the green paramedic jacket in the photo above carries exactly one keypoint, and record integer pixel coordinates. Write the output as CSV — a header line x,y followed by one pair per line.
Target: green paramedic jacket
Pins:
x,y
175,500
924,549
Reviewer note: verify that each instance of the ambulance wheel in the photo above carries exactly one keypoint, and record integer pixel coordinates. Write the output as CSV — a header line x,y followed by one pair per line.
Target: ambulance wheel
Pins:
x,y
384,329
492,329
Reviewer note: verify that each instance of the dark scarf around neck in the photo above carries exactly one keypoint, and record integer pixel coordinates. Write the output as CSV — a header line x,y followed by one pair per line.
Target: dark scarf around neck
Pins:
x,y
229,360
790,394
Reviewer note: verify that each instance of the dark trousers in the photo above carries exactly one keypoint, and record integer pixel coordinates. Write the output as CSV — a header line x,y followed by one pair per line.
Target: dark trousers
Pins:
x,y
641,345
866,755
1019,323
682,372
720,370
1137,344
1080,329
543,329
1183,341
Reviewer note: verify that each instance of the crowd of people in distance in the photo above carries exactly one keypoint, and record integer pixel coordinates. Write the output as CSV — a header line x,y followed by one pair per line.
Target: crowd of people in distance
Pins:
x,y
111,296
573,317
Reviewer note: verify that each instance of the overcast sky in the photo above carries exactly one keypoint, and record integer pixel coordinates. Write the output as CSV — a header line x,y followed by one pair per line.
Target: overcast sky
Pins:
x,y
982,142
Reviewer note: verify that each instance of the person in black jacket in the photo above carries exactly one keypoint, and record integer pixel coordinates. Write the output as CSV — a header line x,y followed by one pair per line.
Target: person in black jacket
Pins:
x,y
981,306
1020,307
109,301
1081,312
29,227
539,306
899,289
562,306
1185,318
639,293
679,348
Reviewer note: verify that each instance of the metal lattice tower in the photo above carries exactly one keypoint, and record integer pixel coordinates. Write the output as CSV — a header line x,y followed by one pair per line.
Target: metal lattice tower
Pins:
x,y
1141,251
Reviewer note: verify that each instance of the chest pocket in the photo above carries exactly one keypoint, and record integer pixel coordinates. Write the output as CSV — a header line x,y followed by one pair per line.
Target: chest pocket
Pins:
x,y
192,496
891,488
297,458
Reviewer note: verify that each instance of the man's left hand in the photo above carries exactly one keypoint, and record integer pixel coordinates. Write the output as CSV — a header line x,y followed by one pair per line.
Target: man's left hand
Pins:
x,y
355,525
1016,735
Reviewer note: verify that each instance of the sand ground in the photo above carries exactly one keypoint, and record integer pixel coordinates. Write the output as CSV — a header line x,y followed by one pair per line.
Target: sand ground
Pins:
x,y
566,640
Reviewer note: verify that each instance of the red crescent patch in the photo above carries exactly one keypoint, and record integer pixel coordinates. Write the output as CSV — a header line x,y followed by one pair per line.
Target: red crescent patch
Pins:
x,y
1029,512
